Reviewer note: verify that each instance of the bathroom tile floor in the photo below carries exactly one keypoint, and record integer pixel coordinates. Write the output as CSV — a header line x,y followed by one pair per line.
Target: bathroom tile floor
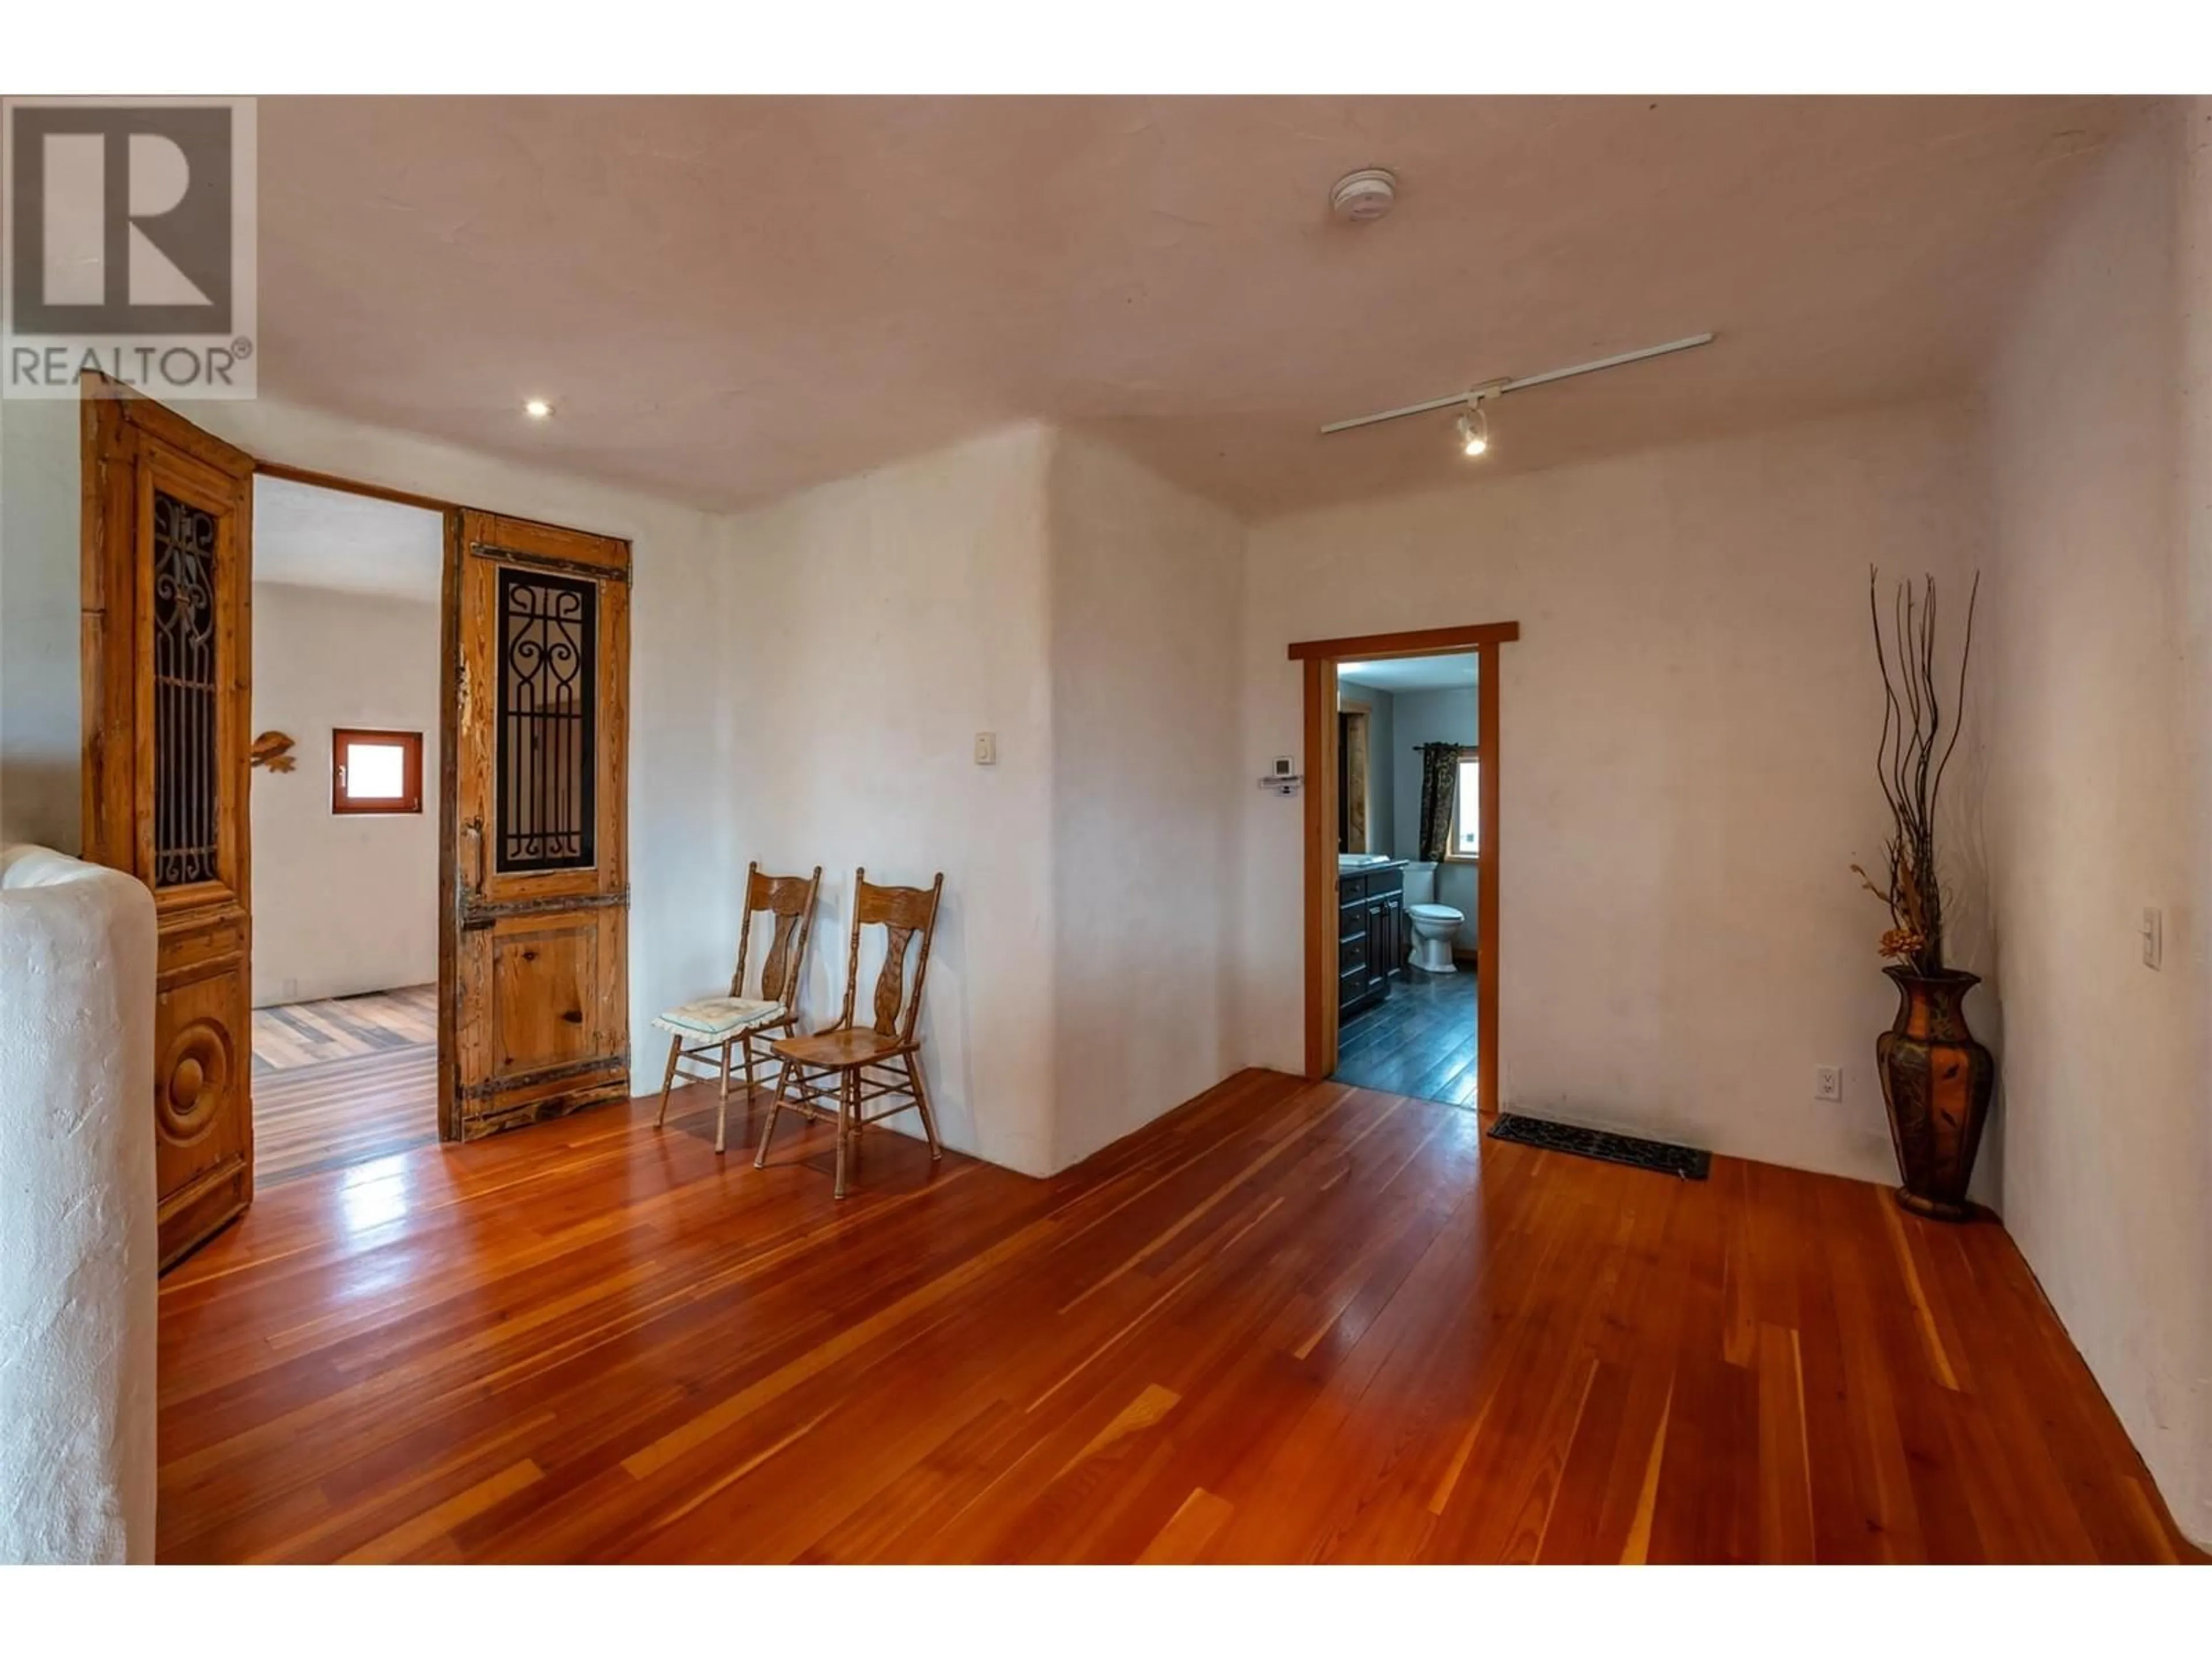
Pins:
x,y
1419,1041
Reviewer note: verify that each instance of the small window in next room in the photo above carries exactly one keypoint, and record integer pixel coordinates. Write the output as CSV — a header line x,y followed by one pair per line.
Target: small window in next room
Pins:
x,y
376,771
1467,810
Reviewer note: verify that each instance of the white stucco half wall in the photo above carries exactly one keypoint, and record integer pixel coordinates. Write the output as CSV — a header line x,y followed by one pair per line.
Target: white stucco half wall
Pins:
x,y
78,1252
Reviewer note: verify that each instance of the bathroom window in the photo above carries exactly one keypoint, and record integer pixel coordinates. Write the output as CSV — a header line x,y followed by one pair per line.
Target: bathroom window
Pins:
x,y
1467,810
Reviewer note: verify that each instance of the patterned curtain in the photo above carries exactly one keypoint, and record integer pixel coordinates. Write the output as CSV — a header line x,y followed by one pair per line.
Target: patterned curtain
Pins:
x,y
1439,785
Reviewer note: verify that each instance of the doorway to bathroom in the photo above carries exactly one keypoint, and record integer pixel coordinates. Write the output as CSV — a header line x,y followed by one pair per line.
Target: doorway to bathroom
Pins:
x,y
1401,861
1409,851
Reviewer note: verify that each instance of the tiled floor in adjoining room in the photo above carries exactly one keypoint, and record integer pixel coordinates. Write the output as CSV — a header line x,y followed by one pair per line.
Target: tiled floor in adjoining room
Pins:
x,y
1418,1041
287,1035
343,1081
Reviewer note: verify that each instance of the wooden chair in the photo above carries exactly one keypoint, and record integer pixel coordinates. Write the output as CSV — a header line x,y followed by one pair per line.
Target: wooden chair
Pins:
x,y
859,1064
714,1024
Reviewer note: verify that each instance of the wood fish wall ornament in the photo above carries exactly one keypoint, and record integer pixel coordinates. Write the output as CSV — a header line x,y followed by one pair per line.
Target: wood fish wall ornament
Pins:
x,y
272,750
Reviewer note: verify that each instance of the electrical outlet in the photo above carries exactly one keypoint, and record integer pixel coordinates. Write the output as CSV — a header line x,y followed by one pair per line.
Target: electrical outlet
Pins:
x,y
987,748
1828,1083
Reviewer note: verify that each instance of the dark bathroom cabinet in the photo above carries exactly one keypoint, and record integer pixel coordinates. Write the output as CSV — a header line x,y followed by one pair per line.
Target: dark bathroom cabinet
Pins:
x,y
1371,940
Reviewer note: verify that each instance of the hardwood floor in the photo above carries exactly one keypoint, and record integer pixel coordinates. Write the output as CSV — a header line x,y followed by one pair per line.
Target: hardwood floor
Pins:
x,y
1288,1322
1418,1041
343,1082
292,1034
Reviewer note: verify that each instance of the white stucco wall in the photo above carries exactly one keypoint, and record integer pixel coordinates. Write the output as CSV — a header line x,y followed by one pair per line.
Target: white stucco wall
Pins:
x,y
1687,717
77,1249
2101,487
1041,587
1145,789
1688,725
341,903
872,627
42,730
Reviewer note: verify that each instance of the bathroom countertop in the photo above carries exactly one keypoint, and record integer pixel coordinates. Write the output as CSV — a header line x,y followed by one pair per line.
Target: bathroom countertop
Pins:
x,y
1342,871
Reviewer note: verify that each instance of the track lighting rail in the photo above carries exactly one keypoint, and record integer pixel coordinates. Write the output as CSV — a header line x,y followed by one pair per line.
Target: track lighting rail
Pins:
x,y
1500,388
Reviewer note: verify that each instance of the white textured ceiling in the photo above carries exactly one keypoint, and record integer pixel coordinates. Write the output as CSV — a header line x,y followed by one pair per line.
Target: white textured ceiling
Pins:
x,y
315,537
730,299
1455,673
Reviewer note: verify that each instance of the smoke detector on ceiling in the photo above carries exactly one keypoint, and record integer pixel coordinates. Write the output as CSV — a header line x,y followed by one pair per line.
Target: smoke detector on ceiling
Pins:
x,y
1367,194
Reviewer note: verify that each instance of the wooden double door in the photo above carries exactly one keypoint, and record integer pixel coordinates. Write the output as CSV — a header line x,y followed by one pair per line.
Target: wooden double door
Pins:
x,y
533,933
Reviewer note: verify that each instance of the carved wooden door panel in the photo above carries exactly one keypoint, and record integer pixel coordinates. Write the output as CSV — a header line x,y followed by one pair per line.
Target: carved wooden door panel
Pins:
x,y
535,928
168,698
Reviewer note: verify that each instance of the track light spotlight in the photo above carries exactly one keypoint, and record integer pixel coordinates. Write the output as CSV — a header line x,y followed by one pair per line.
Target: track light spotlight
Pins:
x,y
1474,430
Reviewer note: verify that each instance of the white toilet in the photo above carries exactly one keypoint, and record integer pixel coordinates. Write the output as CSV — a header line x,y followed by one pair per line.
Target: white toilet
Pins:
x,y
1435,926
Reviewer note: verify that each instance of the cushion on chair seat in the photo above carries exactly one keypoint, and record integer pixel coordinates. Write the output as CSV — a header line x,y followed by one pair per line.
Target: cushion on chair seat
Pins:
x,y
719,1017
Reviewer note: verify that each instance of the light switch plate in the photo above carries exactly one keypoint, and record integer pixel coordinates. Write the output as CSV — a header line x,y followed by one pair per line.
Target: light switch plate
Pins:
x,y
987,748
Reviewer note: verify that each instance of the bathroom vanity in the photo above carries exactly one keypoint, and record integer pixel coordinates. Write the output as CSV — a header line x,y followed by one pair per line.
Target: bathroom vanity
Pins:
x,y
1371,940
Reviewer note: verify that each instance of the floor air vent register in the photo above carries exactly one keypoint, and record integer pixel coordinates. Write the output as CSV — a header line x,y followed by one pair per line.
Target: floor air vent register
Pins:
x,y
1686,1162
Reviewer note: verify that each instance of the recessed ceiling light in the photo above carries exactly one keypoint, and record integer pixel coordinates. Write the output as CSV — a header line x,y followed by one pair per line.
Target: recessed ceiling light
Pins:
x,y
537,409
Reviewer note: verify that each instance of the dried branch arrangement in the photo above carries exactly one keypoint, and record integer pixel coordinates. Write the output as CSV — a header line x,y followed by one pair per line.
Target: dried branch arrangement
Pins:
x,y
1910,760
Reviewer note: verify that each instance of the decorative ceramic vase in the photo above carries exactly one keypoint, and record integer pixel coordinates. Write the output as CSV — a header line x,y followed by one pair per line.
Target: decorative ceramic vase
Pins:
x,y
1935,1081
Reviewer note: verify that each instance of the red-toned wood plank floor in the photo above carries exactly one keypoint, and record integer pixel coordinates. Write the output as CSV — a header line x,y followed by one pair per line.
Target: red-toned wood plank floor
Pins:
x,y
1290,1321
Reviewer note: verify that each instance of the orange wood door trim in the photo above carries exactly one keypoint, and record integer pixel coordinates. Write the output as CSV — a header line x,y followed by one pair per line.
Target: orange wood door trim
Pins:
x,y
1321,917
1320,658
1486,889
1421,643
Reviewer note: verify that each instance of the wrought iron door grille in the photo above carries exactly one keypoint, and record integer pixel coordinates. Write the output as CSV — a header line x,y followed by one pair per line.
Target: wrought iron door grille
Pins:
x,y
185,732
547,759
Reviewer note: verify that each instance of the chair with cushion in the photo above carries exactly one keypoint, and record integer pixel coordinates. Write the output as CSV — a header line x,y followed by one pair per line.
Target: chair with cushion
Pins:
x,y
714,1025
854,1064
